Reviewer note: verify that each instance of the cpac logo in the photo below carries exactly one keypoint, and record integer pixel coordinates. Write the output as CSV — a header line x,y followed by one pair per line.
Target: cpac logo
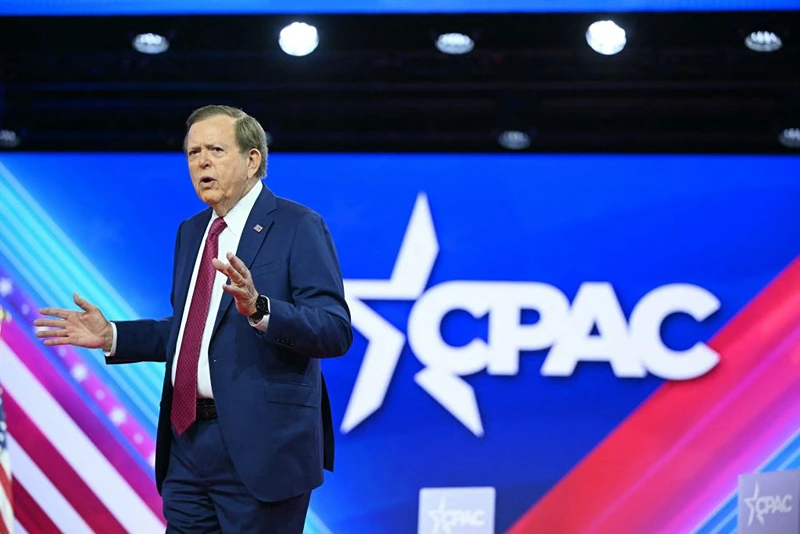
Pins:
x,y
445,520
767,504
456,510
632,348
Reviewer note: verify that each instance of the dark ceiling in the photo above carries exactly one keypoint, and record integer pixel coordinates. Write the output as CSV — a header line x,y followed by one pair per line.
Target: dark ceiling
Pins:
x,y
684,83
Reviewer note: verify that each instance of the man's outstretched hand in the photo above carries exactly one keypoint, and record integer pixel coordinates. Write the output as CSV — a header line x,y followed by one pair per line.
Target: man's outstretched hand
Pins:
x,y
88,328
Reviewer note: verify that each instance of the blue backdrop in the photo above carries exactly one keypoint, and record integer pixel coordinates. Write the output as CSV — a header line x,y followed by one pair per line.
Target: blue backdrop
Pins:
x,y
727,225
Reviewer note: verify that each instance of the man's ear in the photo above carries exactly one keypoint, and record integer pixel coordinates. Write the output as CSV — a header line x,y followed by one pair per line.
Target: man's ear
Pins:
x,y
253,161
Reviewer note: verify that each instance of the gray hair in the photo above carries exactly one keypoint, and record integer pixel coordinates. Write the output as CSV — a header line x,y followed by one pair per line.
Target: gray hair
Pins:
x,y
249,133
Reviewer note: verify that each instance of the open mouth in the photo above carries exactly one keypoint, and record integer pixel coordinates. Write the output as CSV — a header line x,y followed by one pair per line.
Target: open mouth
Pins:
x,y
205,180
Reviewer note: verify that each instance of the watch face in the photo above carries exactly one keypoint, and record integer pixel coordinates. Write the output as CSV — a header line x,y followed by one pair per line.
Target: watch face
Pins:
x,y
261,304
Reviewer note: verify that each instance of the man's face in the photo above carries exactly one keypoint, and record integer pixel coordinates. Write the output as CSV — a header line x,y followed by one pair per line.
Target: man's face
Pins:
x,y
221,173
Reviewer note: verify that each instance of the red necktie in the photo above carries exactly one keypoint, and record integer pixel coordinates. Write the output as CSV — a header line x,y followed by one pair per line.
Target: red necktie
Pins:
x,y
184,393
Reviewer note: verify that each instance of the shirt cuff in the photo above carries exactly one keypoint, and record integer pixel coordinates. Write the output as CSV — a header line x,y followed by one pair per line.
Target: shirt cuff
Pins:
x,y
264,322
110,353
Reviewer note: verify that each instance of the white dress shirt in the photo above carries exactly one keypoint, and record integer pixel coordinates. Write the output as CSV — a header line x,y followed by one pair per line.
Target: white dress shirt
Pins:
x,y
235,221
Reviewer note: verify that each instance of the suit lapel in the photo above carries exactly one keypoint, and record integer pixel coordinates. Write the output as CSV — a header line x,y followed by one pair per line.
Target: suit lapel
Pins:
x,y
261,216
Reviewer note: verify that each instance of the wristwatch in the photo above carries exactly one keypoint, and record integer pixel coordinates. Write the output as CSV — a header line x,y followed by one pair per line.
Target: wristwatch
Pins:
x,y
262,309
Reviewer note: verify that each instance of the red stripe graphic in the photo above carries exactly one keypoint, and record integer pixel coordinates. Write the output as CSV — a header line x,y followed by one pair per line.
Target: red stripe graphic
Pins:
x,y
681,444
29,513
59,471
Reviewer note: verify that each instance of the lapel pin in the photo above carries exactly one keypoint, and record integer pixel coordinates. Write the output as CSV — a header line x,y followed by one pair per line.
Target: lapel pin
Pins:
x,y
258,228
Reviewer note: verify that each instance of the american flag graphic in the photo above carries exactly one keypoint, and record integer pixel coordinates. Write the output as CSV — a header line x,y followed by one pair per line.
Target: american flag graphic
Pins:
x,y
80,436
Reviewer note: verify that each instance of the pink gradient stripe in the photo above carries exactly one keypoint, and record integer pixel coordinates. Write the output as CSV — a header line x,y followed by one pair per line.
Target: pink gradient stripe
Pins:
x,y
747,456
141,481
753,386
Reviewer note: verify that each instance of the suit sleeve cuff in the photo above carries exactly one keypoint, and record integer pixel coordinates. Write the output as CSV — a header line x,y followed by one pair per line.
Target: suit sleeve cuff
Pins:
x,y
110,353
264,322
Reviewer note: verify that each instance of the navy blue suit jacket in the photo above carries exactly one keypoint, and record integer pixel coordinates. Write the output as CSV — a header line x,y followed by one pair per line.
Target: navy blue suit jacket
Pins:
x,y
271,398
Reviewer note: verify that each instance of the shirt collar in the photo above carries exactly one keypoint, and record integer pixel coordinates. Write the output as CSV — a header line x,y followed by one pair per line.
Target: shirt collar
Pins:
x,y
238,214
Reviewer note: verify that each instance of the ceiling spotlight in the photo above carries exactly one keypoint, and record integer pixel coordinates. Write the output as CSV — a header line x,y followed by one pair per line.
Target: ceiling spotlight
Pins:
x,y
150,43
9,139
605,37
790,138
298,39
455,43
514,140
763,42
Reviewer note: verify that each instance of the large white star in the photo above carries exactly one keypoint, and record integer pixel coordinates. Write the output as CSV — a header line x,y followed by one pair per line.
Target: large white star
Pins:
x,y
407,282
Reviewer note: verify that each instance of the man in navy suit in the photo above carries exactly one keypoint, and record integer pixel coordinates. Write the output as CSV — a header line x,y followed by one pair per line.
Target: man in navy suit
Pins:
x,y
245,427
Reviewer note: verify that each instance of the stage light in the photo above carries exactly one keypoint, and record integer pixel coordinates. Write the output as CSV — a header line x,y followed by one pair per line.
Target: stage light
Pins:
x,y
514,140
455,43
605,37
763,42
9,139
790,138
298,39
150,43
